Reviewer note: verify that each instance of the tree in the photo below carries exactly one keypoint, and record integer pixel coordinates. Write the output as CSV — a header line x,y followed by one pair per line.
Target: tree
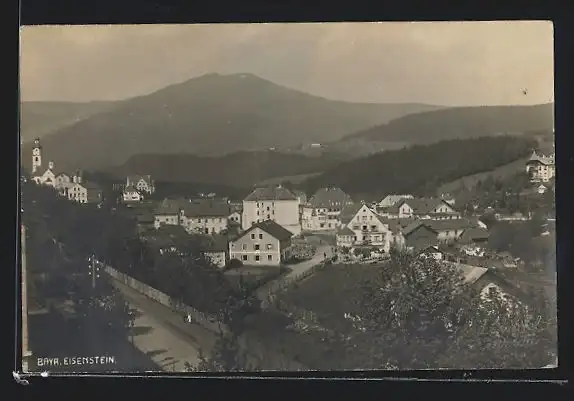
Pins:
x,y
419,314
227,355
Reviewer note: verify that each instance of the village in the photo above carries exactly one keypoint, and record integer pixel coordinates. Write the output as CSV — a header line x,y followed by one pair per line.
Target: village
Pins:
x,y
275,226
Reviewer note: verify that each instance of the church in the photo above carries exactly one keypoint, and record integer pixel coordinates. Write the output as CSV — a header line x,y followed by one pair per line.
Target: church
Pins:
x,y
71,186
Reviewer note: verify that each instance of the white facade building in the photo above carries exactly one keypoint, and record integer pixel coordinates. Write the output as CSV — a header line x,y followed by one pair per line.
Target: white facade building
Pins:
x,y
272,203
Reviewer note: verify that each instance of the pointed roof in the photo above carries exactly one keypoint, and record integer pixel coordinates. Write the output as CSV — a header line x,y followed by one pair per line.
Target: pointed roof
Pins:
x,y
270,227
136,177
345,231
271,193
168,207
330,197
349,211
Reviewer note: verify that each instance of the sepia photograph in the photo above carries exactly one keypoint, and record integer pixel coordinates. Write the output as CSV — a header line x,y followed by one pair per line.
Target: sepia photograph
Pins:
x,y
287,197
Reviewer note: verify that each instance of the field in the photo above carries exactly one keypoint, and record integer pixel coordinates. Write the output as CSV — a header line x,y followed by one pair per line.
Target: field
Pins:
x,y
504,171
330,293
254,276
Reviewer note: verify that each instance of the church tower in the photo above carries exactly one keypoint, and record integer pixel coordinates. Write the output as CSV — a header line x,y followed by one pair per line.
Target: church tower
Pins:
x,y
36,155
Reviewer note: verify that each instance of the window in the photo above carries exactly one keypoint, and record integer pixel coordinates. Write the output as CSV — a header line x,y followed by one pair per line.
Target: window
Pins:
x,y
373,228
244,247
199,220
329,225
268,208
269,246
364,228
269,257
355,226
260,236
244,257
257,258
364,218
256,247
207,230
268,217
258,213
252,236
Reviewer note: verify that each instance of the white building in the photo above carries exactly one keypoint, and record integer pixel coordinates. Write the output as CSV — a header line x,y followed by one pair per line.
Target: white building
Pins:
x,y
421,208
363,226
84,192
205,216
541,168
322,211
142,183
274,203
132,195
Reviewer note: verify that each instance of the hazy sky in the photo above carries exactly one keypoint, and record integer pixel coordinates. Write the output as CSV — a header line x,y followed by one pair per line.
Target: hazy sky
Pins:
x,y
472,63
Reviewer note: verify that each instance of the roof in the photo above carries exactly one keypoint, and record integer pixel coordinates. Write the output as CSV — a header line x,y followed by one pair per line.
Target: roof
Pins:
x,y
546,160
131,188
475,233
345,231
272,228
349,211
300,194
136,177
390,200
168,207
452,224
330,197
277,193
422,205
206,208
216,243
470,273
415,225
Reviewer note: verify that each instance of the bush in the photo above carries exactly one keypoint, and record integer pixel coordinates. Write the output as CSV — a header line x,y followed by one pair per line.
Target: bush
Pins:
x,y
234,264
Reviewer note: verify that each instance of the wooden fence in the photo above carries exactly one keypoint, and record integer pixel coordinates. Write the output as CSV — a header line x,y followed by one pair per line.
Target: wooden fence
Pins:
x,y
204,319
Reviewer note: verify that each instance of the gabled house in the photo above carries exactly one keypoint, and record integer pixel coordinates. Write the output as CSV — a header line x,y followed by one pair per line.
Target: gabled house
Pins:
x,y
85,192
365,228
264,243
322,211
419,236
421,208
450,230
541,168
168,213
274,203
205,216
142,183
167,238
131,194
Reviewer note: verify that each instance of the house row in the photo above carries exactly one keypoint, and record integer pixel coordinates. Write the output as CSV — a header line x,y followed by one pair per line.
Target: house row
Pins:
x,y
264,244
414,223
200,216
137,188
71,186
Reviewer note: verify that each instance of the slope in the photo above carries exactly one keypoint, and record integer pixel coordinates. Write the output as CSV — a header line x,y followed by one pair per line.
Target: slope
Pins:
x,y
212,115
241,169
450,123
421,169
38,119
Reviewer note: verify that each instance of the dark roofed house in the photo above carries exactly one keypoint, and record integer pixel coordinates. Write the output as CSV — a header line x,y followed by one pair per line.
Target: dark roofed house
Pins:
x,y
422,208
419,236
167,238
264,243
168,212
450,230
206,216
323,209
475,235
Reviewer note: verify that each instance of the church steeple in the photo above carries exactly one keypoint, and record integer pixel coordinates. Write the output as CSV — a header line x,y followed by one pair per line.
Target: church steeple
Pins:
x,y
36,155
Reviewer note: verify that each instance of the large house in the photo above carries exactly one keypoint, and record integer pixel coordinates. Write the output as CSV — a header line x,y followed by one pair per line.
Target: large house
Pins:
x,y
265,243
420,208
274,203
361,225
541,168
84,192
322,211
197,216
205,216
142,183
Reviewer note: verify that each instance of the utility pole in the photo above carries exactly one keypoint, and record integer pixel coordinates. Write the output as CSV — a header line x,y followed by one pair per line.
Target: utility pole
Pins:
x,y
94,270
